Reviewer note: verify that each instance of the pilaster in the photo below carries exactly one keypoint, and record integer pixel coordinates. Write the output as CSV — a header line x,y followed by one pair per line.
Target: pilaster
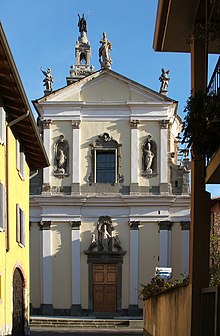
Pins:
x,y
163,156
76,157
47,144
76,278
134,154
46,268
165,243
134,266
185,226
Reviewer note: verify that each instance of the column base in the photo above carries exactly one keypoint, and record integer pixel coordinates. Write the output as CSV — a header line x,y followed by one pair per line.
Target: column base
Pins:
x,y
47,309
165,188
75,188
76,310
133,310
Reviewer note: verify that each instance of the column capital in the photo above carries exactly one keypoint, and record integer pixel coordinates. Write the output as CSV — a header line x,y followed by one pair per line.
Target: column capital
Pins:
x,y
165,225
76,124
185,226
45,225
134,123
47,123
134,225
75,225
164,124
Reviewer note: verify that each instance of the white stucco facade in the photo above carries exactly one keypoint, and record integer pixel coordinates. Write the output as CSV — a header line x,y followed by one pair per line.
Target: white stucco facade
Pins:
x,y
144,207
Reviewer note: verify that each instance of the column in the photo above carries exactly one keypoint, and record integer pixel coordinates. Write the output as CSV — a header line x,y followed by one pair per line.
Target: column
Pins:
x,y
165,244
134,268
46,268
200,199
185,248
76,157
134,154
47,145
76,279
163,156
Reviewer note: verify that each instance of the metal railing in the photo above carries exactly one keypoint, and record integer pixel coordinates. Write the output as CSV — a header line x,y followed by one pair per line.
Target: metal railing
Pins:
x,y
214,83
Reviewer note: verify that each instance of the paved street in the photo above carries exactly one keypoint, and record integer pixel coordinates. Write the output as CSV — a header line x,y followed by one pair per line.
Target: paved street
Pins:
x,y
103,332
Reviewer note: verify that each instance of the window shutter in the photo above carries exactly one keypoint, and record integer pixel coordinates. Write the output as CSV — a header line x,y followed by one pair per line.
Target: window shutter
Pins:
x,y
2,125
4,208
22,228
22,164
18,224
17,155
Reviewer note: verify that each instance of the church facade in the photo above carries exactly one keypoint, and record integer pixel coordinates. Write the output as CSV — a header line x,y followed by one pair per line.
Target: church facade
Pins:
x,y
114,203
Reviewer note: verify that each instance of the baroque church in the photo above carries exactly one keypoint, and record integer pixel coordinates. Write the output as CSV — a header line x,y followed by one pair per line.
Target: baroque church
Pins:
x,y
114,203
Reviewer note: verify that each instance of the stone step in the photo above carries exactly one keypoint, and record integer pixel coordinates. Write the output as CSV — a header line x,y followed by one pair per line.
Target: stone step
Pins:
x,y
53,322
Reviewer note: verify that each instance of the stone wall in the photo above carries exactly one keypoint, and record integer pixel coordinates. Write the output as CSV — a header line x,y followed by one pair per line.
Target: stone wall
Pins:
x,y
168,313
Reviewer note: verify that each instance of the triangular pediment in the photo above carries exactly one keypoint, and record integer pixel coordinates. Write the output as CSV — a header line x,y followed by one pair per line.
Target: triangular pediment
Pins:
x,y
105,86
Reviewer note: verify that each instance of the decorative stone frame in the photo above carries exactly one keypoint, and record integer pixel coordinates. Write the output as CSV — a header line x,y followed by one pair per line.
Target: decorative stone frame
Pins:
x,y
61,145
97,255
153,169
106,143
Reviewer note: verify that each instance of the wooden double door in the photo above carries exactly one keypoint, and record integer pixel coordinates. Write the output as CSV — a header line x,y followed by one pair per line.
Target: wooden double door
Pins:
x,y
104,287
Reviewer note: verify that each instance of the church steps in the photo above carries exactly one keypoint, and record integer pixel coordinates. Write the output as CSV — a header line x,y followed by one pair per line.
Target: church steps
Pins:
x,y
45,322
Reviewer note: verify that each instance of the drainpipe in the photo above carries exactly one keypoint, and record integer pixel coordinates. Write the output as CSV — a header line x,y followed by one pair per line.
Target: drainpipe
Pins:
x,y
34,174
12,123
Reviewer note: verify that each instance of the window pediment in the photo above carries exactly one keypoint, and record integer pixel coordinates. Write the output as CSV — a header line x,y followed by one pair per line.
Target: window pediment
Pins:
x,y
104,140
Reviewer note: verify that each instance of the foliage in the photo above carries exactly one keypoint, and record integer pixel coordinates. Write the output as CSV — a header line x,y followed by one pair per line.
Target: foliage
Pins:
x,y
158,285
214,279
199,109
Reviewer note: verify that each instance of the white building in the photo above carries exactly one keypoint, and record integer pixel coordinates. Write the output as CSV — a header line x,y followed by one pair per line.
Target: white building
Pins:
x,y
114,204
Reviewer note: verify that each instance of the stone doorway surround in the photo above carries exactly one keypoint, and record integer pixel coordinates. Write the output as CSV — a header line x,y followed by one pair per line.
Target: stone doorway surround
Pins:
x,y
105,257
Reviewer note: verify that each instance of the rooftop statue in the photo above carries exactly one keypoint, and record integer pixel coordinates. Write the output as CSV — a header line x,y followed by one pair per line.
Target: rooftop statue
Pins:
x,y
48,80
104,52
164,79
82,24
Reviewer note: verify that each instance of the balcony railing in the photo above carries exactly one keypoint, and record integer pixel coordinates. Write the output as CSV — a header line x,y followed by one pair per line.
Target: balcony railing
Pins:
x,y
214,83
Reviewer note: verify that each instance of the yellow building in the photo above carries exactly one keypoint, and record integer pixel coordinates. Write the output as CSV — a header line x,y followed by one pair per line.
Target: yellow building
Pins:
x,y
21,150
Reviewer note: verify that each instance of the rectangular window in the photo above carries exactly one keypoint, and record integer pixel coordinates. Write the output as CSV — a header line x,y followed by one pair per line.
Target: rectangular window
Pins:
x,y
2,125
2,207
20,226
105,166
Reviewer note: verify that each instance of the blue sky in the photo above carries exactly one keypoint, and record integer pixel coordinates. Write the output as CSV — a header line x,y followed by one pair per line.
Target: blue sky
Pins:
x,y
43,33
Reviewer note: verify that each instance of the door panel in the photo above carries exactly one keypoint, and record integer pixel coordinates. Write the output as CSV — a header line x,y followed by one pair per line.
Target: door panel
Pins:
x,y
105,287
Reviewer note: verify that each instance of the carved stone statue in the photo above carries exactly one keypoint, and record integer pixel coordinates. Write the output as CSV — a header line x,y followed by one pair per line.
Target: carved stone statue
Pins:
x,y
93,243
104,52
149,155
61,155
164,79
117,243
82,24
48,80
105,229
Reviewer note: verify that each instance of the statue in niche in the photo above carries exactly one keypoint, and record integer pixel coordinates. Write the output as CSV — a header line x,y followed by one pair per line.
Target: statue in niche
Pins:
x,y
164,79
82,24
48,80
117,243
104,52
149,153
61,155
93,243
105,229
